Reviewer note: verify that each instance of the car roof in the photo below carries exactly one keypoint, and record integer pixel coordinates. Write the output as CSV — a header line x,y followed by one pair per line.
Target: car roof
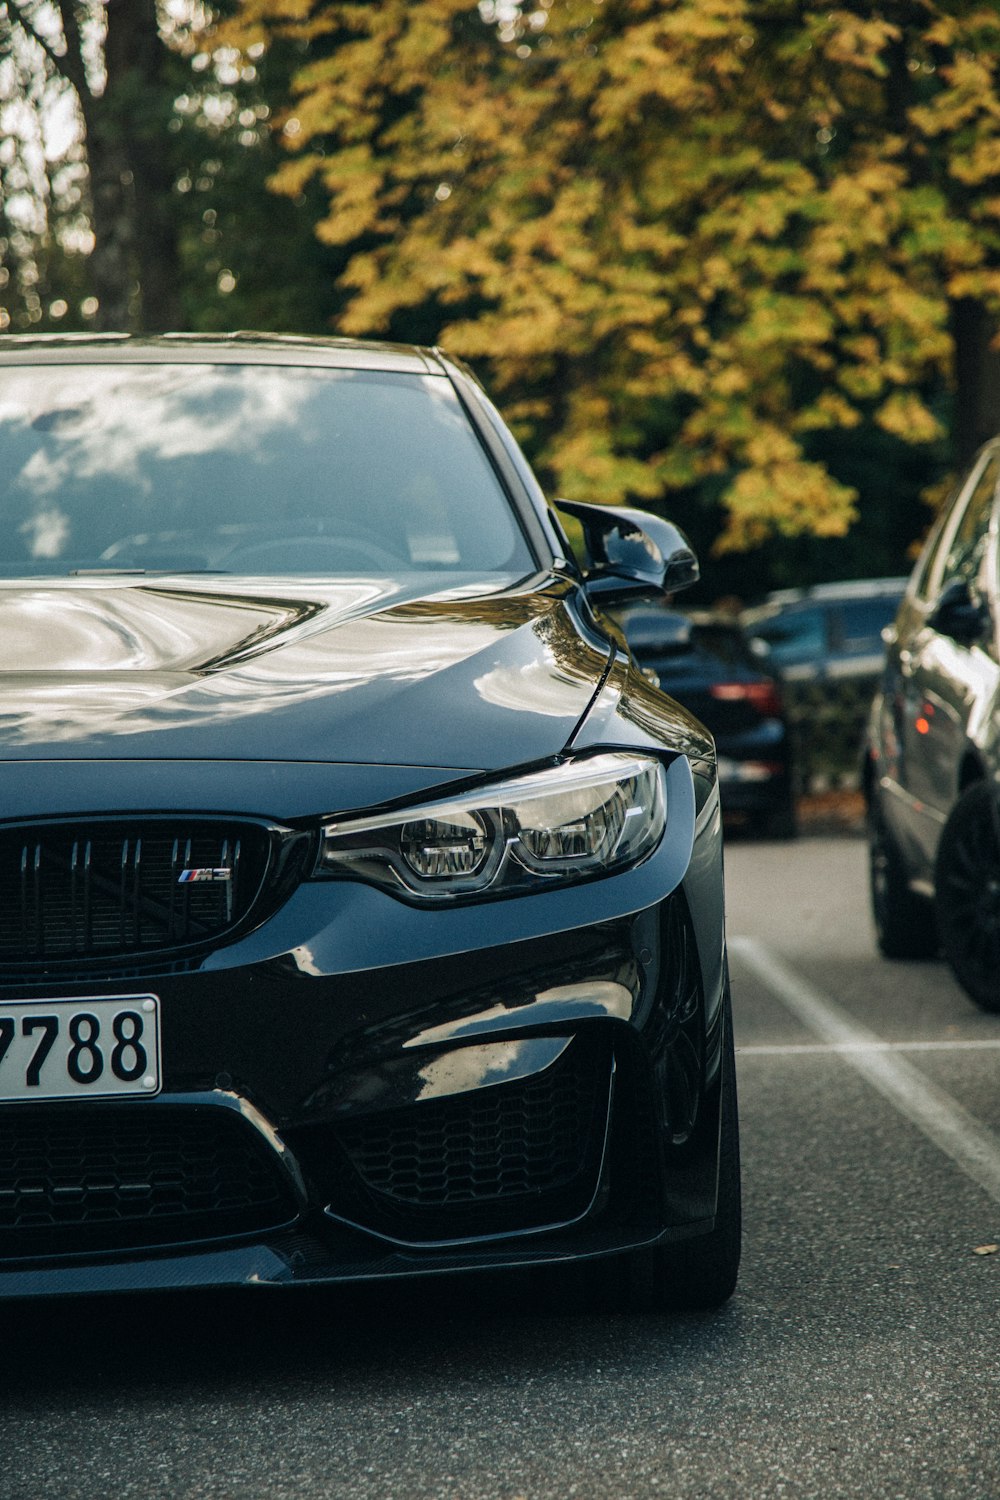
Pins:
x,y
218,348
852,588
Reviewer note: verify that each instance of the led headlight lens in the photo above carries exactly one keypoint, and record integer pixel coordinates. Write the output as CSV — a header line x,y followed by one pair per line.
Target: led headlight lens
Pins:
x,y
574,821
438,850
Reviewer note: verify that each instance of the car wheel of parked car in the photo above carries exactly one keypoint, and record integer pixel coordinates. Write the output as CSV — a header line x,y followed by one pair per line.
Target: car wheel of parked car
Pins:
x,y
904,920
967,881
698,1273
701,1273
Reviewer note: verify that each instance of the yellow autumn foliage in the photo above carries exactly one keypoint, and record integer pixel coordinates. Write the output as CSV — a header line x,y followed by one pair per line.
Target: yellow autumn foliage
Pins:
x,y
906,415
681,237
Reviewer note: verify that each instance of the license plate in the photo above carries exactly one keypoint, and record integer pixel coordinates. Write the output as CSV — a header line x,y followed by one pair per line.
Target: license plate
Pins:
x,y
83,1048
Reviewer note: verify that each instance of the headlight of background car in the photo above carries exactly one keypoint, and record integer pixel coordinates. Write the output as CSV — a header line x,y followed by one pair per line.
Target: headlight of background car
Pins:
x,y
574,821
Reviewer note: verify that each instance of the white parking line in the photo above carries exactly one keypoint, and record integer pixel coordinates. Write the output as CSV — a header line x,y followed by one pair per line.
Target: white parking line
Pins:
x,y
789,1049
942,1119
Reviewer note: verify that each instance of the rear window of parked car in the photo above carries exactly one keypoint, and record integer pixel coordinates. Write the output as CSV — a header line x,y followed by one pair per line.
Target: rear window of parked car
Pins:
x,y
794,636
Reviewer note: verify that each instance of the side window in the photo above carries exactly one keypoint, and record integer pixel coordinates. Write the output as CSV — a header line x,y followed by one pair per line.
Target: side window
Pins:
x,y
964,539
797,636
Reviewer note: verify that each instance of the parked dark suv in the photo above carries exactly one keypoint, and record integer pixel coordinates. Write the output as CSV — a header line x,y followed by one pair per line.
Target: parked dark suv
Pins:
x,y
825,645
932,757
705,662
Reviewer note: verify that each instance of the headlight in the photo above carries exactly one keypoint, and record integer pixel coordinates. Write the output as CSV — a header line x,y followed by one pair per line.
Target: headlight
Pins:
x,y
584,818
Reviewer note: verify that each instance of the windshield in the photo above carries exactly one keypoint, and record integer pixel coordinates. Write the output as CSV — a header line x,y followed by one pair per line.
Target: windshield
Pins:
x,y
258,469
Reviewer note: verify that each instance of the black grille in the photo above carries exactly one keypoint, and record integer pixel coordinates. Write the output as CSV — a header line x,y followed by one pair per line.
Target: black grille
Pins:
x,y
106,889
118,1177
513,1141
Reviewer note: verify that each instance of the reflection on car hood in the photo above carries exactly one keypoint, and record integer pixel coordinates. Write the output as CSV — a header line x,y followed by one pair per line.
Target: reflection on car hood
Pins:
x,y
357,671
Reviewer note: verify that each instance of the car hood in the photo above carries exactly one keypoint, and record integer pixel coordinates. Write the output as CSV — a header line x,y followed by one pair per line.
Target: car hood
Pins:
x,y
355,672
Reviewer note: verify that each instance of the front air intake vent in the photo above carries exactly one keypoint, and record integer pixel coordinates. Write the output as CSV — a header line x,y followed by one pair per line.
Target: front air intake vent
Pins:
x,y
493,1144
111,889
497,1160
75,1179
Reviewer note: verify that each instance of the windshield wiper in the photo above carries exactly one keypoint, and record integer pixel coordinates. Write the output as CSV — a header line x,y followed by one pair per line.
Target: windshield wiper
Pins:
x,y
136,572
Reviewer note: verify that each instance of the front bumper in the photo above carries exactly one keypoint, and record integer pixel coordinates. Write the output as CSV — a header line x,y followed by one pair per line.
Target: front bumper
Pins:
x,y
490,1104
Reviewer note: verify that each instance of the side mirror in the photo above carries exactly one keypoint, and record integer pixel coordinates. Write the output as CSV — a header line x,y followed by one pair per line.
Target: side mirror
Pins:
x,y
632,552
959,616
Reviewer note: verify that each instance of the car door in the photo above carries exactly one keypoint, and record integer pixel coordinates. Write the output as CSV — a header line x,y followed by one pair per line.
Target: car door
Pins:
x,y
948,666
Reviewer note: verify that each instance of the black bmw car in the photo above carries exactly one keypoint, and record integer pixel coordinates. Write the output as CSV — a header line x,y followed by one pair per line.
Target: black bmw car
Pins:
x,y
361,907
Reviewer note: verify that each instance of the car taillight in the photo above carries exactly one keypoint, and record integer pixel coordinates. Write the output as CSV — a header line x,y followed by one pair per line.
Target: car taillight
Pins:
x,y
762,696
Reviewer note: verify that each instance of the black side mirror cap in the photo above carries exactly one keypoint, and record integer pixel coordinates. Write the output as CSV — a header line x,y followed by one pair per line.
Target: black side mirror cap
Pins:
x,y
959,616
632,552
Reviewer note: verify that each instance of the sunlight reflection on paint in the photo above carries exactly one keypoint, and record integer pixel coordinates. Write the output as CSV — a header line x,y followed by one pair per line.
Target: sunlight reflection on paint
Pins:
x,y
496,1062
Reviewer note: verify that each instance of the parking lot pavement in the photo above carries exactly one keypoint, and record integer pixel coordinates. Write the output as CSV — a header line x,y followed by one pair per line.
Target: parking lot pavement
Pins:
x,y
858,1357
900,1071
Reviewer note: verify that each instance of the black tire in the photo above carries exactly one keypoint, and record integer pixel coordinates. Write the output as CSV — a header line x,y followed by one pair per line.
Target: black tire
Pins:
x,y
967,883
905,925
700,1273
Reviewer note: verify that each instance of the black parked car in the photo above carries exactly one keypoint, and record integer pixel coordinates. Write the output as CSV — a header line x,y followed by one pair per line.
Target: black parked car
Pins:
x,y
361,904
931,760
704,661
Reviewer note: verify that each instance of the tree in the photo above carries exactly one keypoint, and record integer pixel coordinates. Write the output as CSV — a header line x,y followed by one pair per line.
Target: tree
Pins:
x,y
133,160
700,245
247,258
112,58
41,174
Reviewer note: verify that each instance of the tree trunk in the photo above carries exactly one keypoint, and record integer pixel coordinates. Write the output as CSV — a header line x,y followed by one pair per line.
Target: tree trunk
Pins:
x,y
977,378
142,59
112,221
135,258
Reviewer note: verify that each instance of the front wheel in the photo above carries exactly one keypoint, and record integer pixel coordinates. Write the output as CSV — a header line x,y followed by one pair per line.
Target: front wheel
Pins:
x,y
967,883
700,1273
904,920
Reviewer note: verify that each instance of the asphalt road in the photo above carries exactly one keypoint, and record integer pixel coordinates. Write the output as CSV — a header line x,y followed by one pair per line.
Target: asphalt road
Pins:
x,y
859,1356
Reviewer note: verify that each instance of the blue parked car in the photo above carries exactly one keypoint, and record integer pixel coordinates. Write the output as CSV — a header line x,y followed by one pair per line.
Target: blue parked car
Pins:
x,y
826,633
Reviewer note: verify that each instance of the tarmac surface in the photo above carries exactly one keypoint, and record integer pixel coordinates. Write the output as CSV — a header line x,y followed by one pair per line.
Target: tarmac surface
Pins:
x,y
858,1357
